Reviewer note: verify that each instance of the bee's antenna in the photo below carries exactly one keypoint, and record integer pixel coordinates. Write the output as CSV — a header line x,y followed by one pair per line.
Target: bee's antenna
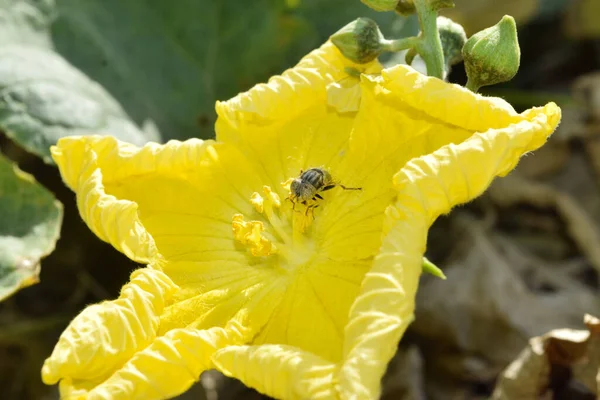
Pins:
x,y
348,188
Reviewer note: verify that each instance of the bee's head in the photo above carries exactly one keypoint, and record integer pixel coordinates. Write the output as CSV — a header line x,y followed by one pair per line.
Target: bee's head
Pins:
x,y
296,188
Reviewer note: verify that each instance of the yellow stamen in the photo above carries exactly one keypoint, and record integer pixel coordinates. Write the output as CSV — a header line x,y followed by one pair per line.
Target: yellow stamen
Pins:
x,y
249,233
274,197
257,201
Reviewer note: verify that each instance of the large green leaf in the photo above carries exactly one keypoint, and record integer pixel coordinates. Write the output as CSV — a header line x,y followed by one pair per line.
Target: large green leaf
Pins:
x,y
165,63
30,219
42,97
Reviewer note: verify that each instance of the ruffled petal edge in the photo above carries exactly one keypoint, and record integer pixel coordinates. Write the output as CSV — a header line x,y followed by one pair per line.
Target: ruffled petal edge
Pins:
x,y
449,103
87,163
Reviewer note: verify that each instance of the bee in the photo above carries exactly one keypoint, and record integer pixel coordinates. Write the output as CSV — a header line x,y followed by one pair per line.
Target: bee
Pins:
x,y
309,184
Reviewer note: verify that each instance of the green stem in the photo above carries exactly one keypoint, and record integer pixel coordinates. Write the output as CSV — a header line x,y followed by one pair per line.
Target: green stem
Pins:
x,y
401,44
472,86
430,45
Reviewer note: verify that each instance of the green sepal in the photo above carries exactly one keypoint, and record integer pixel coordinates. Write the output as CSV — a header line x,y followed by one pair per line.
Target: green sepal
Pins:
x,y
433,269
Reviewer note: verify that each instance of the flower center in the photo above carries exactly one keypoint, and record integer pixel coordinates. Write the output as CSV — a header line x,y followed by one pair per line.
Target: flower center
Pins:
x,y
278,235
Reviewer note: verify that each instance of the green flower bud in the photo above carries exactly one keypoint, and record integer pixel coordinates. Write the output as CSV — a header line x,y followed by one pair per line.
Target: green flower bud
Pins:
x,y
381,5
492,55
360,41
453,39
405,7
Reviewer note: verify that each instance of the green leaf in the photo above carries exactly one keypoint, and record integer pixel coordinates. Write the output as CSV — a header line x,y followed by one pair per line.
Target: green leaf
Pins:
x,y
43,98
30,220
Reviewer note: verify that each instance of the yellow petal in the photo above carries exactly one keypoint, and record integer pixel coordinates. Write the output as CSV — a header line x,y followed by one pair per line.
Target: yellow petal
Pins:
x,y
384,307
426,187
232,295
287,95
105,335
345,96
282,372
314,309
90,165
457,173
166,368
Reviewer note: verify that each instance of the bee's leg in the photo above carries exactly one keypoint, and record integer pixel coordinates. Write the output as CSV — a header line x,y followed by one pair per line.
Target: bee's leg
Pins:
x,y
313,211
348,188
318,196
291,201
328,187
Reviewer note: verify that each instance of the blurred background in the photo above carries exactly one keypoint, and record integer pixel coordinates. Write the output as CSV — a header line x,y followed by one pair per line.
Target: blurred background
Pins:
x,y
521,260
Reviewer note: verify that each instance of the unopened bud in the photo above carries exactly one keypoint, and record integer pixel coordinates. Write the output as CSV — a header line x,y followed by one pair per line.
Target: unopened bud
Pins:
x,y
360,41
492,55
453,38
381,5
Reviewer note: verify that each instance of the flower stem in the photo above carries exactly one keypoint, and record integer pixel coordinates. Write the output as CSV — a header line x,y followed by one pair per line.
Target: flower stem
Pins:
x,y
472,86
401,44
429,46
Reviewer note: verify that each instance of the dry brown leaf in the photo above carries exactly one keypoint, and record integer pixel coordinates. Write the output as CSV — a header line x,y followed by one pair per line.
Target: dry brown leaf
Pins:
x,y
404,377
549,159
550,358
523,378
587,372
473,324
580,226
592,147
586,90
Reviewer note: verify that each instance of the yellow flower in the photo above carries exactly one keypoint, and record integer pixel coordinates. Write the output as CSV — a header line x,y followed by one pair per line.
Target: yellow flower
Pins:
x,y
296,303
